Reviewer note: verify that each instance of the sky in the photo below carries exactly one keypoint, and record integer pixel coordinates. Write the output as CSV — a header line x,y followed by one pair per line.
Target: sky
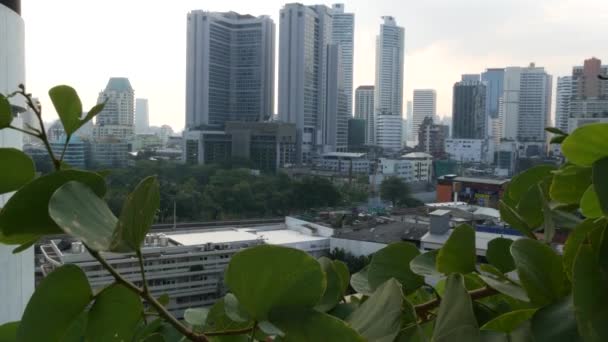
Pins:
x,y
83,43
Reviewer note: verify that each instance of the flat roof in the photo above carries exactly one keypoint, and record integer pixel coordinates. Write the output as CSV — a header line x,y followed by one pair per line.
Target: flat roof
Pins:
x,y
344,154
439,212
217,236
482,180
481,239
285,236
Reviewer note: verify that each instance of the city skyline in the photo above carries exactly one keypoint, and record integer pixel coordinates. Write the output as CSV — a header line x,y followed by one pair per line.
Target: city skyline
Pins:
x,y
439,44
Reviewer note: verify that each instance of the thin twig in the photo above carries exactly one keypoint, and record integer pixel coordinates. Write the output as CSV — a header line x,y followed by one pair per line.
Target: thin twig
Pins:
x,y
144,282
423,309
65,147
255,325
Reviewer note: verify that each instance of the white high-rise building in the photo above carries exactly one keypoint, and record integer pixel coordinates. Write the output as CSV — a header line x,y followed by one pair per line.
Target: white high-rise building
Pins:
x,y
424,106
562,102
116,120
364,109
142,116
17,280
388,97
306,83
343,33
229,68
526,104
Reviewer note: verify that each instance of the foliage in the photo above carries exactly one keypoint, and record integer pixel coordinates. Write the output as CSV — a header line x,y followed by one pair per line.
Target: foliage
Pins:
x,y
395,190
527,291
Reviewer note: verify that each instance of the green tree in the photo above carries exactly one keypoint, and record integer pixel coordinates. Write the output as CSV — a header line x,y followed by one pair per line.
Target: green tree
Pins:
x,y
395,190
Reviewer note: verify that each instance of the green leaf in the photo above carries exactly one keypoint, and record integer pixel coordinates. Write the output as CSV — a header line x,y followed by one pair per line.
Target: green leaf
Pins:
x,y
310,325
80,212
57,302
93,112
575,239
501,283
8,331
510,216
509,321
557,139
17,239
26,245
589,284
590,204
114,315
137,216
77,329
333,293
6,113
164,299
26,212
499,254
425,264
458,253
555,322
379,317
19,171
218,320
267,277
343,274
68,107
456,320
540,270
196,317
270,329
529,207
343,310
360,281
555,130
156,337
569,184
586,144
600,183
393,261
234,310
521,183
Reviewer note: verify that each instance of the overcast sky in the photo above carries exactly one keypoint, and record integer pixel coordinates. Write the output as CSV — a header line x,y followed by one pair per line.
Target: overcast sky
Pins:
x,y
84,42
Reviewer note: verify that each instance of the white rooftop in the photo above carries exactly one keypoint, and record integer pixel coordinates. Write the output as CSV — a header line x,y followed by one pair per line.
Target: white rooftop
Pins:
x,y
344,154
216,236
434,241
286,236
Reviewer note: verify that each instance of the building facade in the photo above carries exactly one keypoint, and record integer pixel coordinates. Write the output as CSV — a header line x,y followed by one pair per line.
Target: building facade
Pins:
x,y
424,105
357,137
229,68
142,116
527,103
364,110
109,153
411,168
343,34
470,150
75,153
116,120
344,163
589,100
563,95
431,138
469,117
17,282
388,91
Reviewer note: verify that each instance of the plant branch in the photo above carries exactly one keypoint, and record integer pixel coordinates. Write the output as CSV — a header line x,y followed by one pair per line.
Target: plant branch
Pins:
x,y
23,131
65,147
255,325
423,309
230,332
140,258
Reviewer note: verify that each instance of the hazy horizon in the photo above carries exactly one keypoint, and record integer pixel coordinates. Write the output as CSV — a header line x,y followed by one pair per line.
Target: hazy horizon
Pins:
x,y
84,43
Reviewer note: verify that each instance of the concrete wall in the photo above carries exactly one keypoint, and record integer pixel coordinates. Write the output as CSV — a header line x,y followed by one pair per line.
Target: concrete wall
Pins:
x,y
356,247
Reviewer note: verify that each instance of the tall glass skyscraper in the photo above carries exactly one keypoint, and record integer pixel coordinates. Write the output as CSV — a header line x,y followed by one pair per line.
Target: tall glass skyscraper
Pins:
x,y
343,33
469,108
229,68
388,97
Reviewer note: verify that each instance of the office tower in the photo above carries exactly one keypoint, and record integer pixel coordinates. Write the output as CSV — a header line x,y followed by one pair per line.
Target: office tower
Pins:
x,y
335,125
142,116
343,32
364,109
469,108
117,117
424,106
562,102
17,280
305,58
357,130
493,79
229,68
431,138
527,103
388,96
589,101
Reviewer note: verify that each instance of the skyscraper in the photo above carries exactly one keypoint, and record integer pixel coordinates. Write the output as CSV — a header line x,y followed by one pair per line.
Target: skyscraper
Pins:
x,y
469,108
493,79
388,96
229,68
424,106
589,101
343,32
117,117
562,102
364,109
527,103
17,280
310,78
142,116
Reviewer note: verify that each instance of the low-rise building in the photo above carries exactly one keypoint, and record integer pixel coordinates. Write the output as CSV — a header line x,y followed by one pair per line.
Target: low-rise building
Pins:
x,y
188,265
412,167
470,150
76,153
484,192
109,153
344,163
